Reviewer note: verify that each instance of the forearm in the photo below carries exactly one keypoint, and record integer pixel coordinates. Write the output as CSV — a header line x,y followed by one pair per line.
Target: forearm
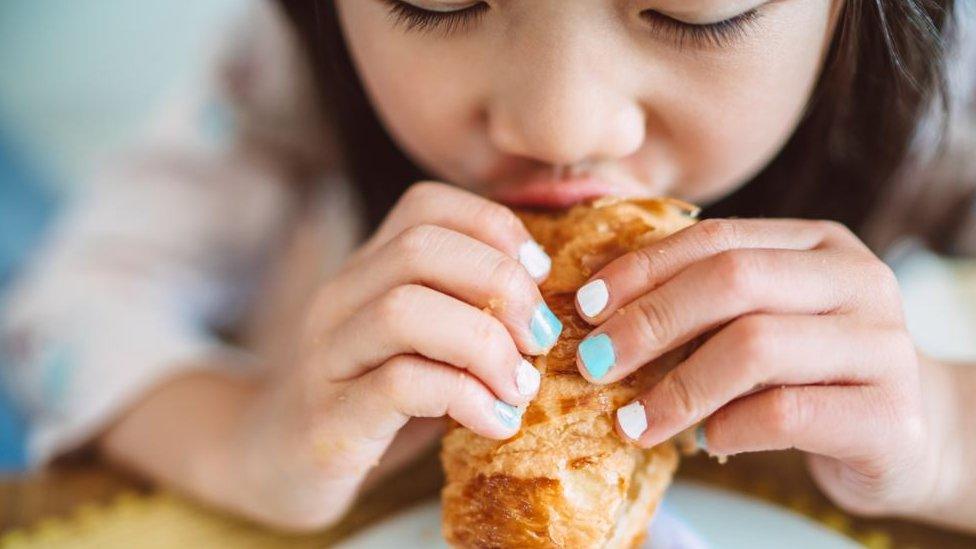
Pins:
x,y
182,435
950,394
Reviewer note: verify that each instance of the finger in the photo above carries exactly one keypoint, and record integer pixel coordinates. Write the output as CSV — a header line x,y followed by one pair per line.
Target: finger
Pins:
x,y
759,351
431,203
634,274
415,319
416,436
450,262
412,386
715,291
850,423
361,418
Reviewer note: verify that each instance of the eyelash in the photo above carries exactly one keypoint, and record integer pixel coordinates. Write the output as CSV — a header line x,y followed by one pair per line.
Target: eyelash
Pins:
x,y
418,19
718,34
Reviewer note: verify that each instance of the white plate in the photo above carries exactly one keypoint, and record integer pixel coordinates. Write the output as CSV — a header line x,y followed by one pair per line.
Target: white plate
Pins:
x,y
721,519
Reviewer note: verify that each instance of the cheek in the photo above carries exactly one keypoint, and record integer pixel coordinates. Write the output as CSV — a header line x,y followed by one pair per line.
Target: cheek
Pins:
x,y
431,123
738,113
723,141
426,95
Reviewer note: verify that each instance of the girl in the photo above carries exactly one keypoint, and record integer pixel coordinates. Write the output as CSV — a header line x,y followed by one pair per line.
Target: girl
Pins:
x,y
210,318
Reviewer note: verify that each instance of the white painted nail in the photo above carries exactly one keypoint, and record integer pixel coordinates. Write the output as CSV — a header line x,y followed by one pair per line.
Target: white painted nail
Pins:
x,y
527,378
534,259
593,297
632,419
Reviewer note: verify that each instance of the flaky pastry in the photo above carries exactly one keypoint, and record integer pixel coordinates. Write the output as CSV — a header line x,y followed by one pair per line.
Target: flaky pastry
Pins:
x,y
567,479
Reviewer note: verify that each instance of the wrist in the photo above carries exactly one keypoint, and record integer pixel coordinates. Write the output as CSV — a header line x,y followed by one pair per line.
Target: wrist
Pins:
x,y
179,434
264,471
215,468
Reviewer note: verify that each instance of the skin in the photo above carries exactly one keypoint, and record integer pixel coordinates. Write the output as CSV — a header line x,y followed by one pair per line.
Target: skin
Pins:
x,y
668,120
806,345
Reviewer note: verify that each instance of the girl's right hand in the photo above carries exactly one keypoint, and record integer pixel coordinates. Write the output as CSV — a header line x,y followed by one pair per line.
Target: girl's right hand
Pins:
x,y
431,317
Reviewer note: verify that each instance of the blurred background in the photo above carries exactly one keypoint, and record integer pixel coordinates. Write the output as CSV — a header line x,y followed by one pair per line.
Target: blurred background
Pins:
x,y
77,81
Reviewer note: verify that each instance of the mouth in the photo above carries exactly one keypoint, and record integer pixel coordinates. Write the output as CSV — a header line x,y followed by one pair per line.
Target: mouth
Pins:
x,y
551,192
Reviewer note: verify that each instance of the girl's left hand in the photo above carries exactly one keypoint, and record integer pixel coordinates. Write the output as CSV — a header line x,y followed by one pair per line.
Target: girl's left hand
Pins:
x,y
807,348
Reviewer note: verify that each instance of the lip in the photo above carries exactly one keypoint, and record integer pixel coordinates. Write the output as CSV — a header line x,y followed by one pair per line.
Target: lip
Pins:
x,y
552,193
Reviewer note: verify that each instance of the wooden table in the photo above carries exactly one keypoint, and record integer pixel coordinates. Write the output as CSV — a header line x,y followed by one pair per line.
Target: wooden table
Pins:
x,y
779,478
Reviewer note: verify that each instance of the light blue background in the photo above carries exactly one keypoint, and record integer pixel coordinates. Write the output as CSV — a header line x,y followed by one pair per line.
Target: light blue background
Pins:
x,y
78,79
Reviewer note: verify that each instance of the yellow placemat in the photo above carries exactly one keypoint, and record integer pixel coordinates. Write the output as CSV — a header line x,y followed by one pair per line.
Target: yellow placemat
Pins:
x,y
156,521
165,520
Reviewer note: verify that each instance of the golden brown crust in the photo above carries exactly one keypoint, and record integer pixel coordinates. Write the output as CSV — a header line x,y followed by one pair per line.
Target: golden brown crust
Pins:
x,y
566,479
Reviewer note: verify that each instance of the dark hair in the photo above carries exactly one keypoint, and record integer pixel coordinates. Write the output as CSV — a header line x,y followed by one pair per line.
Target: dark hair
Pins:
x,y
881,76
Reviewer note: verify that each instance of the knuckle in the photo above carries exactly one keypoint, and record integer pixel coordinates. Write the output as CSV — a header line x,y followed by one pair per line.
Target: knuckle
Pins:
x,y
719,234
882,290
508,278
784,414
880,272
394,378
655,323
644,263
885,280
495,218
737,270
492,340
686,395
462,387
397,304
400,379
421,192
834,228
415,242
754,336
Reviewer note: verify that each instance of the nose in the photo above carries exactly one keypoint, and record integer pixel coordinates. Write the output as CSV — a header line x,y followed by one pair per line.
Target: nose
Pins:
x,y
554,105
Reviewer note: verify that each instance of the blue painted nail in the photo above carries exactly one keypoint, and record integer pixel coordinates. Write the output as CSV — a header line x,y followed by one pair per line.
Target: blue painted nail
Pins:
x,y
597,355
700,439
508,414
545,326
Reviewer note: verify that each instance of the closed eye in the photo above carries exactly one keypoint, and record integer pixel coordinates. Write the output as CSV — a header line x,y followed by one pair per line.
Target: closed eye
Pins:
x,y
718,34
414,18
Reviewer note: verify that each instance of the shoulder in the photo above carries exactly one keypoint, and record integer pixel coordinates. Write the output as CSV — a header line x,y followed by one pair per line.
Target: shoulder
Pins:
x,y
265,72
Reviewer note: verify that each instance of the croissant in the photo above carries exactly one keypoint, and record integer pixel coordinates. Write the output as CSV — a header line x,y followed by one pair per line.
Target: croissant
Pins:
x,y
566,479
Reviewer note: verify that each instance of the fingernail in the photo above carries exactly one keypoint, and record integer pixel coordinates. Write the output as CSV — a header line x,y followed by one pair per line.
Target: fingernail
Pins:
x,y
701,440
593,297
545,326
527,378
632,419
534,259
597,355
509,415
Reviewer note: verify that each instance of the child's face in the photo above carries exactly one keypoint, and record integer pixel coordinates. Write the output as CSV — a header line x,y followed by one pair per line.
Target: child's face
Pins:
x,y
638,101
